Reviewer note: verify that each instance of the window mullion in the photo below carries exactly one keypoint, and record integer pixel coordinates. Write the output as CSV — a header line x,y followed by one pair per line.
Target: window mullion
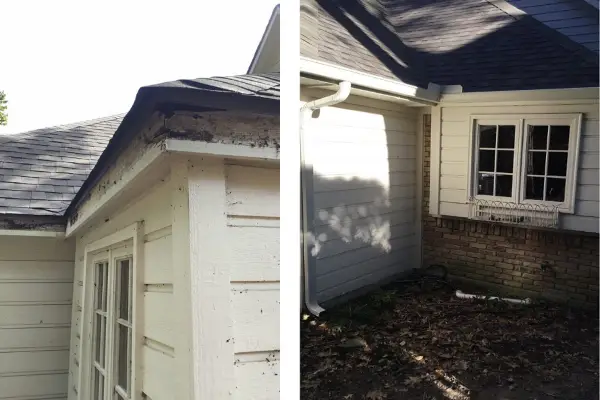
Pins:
x,y
518,162
546,163
110,326
496,160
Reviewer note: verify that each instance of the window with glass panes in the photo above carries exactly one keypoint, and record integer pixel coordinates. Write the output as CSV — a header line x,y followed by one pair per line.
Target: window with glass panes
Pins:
x,y
112,327
546,162
526,159
496,156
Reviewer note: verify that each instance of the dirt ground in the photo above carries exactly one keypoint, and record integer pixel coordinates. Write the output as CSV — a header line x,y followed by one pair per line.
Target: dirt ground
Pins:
x,y
413,344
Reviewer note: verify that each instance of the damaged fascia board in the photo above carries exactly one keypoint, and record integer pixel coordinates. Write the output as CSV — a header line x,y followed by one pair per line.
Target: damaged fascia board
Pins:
x,y
97,202
32,226
221,150
226,134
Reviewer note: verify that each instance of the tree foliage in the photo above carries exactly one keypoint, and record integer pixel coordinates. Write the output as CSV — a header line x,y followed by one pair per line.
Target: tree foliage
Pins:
x,y
3,107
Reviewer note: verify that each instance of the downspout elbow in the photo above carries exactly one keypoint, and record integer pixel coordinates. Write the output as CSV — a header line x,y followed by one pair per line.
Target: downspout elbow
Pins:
x,y
339,96
308,261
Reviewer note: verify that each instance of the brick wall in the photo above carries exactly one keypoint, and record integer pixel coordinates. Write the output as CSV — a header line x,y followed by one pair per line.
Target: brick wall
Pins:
x,y
553,265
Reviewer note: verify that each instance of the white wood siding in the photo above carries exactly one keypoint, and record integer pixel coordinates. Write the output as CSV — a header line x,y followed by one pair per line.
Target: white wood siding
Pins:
x,y
364,158
36,286
455,149
253,238
572,18
158,351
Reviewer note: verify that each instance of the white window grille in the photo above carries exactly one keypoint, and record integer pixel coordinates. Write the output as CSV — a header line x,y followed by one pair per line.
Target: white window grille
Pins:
x,y
525,160
112,324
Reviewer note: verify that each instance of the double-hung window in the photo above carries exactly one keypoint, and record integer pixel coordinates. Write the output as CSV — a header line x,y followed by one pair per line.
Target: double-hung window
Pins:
x,y
111,323
525,159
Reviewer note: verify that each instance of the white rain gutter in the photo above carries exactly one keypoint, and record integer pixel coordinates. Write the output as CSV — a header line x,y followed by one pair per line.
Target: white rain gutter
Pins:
x,y
462,295
359,79
308,261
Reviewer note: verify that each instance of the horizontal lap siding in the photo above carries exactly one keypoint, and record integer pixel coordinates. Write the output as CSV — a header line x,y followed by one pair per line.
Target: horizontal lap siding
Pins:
x,y
158,352
455,150
253,236
363,154
36,286
157,358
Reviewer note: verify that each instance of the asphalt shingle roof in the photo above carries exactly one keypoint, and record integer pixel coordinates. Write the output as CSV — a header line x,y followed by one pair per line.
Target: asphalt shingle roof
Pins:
x,y
256,85
42,170
473,43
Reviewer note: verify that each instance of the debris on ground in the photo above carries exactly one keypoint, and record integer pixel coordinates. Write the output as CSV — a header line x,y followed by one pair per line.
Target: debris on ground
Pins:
x,y
396,344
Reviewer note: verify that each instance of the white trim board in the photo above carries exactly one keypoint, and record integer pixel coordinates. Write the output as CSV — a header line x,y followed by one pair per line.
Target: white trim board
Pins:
x,y
519,97
128,177
31,233
188,147
221,150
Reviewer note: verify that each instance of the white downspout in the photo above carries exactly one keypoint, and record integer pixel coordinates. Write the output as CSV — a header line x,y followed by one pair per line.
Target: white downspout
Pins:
x,y
308,264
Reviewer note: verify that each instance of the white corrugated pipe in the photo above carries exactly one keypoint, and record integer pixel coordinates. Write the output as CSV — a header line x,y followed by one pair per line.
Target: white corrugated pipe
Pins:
x,y
462,295
310,291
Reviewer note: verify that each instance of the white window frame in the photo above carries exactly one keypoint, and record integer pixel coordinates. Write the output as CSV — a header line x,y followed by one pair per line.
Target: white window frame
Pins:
x,y
475,156
124,244
521,123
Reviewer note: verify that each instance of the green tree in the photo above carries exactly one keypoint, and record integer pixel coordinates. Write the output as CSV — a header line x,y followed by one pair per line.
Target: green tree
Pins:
x,y
3,114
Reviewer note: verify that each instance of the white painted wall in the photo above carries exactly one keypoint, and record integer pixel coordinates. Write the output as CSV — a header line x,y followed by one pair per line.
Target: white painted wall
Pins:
x,y
450,147
232,259
253,233
36,284
364,158
158,351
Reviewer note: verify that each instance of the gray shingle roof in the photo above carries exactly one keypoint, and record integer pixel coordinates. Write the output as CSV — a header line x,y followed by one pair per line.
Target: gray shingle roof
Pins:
x,y
257,85
42,170
473,43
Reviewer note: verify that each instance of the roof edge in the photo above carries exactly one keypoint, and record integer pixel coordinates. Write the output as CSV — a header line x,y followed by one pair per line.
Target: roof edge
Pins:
x,y
263,40
150,99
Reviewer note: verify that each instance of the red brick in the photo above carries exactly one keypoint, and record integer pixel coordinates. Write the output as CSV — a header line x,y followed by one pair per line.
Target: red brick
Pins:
x,y
531,287
451,236
510,256
505,266
478,245
512,283
531,276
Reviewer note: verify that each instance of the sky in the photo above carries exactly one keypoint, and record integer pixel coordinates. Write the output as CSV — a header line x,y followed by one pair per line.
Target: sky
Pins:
x,y
70,61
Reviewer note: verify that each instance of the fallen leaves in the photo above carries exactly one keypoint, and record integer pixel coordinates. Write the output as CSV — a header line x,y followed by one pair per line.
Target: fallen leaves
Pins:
x,y
477,345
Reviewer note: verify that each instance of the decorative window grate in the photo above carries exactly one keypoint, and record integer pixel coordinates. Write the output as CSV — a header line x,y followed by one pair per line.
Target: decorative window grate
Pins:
x,y
530,215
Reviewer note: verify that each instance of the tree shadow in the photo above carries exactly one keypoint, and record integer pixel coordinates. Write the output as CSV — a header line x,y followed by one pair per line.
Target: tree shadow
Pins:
x,y
363,227
488,50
